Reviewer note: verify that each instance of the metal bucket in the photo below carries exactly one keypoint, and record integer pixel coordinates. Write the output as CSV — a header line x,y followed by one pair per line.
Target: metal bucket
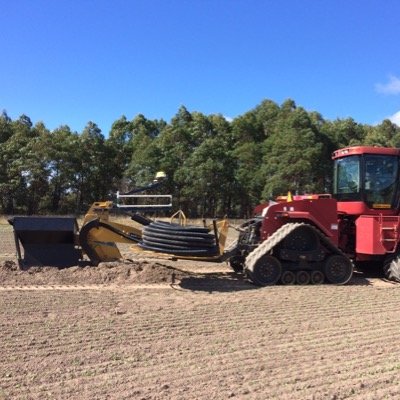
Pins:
x,y
47,241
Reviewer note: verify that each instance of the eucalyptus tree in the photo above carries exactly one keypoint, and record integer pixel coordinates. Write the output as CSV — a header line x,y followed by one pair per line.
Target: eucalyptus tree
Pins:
x,y
91,165
6,187
145,155
291,154
36,169
207,176
175,145
249,132
385,134
345,132
119,144
24,175
63,150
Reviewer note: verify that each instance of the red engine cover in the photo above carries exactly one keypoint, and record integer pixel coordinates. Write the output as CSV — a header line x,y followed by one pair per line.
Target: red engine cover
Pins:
x,y
321,213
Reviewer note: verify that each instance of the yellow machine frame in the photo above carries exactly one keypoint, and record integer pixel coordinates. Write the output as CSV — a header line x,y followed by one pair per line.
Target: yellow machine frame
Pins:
x,y
99,235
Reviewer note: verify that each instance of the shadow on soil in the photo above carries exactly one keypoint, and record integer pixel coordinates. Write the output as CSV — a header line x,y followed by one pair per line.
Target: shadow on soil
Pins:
x,y
361,279
367,273
232,282
216,282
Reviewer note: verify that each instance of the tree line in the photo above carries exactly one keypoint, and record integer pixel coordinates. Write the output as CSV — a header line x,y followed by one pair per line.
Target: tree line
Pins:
x,y
214,166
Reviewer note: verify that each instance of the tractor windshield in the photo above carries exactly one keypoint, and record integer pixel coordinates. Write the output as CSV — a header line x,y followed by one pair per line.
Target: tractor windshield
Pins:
x,y
380,180
370,178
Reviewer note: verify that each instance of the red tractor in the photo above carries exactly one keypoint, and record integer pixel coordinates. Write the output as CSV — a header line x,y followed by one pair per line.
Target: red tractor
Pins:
x,y
316,238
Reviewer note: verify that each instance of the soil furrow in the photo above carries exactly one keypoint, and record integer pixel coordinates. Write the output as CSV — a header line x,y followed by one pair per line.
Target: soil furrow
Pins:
x,y
204,340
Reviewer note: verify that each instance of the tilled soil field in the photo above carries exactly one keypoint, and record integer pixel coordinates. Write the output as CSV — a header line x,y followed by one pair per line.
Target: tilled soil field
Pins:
x,y
153,329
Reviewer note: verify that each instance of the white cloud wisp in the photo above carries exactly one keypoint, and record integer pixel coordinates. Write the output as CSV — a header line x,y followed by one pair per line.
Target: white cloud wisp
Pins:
x,y
395,118
391,87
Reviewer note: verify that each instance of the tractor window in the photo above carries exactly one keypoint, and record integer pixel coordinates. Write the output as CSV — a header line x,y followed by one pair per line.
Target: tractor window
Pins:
x,y
347,178
380,180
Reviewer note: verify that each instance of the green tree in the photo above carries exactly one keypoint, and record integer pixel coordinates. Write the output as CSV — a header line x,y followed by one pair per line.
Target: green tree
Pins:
x,y
248,170
250,131
291,155
6,131
24,174
206,176
36,169
175,145
345,132
386,134
119,143
144,153
92,179
63,147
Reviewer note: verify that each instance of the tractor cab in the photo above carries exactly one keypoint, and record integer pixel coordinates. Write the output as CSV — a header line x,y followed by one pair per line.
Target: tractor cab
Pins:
x,y
366,180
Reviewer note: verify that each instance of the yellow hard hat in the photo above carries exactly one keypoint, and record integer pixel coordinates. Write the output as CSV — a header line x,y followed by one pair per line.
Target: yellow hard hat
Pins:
x,y
161,175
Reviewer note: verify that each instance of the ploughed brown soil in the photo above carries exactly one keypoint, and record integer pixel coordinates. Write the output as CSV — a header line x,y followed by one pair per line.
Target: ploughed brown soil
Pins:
x,y
157,329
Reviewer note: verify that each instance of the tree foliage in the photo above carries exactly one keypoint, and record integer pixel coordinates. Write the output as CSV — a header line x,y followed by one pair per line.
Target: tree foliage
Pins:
x,y
213,166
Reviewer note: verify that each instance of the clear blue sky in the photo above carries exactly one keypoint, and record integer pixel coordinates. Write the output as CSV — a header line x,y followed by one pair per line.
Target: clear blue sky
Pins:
x,y
74,61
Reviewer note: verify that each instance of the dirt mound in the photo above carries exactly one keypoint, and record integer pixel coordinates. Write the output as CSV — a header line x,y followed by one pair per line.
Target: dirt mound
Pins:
x,y
105,273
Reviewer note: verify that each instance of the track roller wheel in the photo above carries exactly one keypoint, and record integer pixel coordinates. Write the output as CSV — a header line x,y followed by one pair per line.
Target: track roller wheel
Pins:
x,y
338,269
266,271
317,277
303,278
237,263
288,278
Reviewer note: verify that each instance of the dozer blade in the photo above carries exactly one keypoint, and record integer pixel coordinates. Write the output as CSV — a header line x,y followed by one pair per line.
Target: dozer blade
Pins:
x,y
48,241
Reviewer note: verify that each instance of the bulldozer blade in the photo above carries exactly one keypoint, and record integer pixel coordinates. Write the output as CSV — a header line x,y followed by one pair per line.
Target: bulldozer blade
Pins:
x,y
47,241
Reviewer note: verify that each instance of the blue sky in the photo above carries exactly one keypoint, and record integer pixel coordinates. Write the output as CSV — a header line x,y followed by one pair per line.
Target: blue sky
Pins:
x,y
74,61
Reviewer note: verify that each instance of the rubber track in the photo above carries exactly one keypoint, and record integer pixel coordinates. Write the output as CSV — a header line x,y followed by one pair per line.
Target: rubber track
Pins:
x,y
277,237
